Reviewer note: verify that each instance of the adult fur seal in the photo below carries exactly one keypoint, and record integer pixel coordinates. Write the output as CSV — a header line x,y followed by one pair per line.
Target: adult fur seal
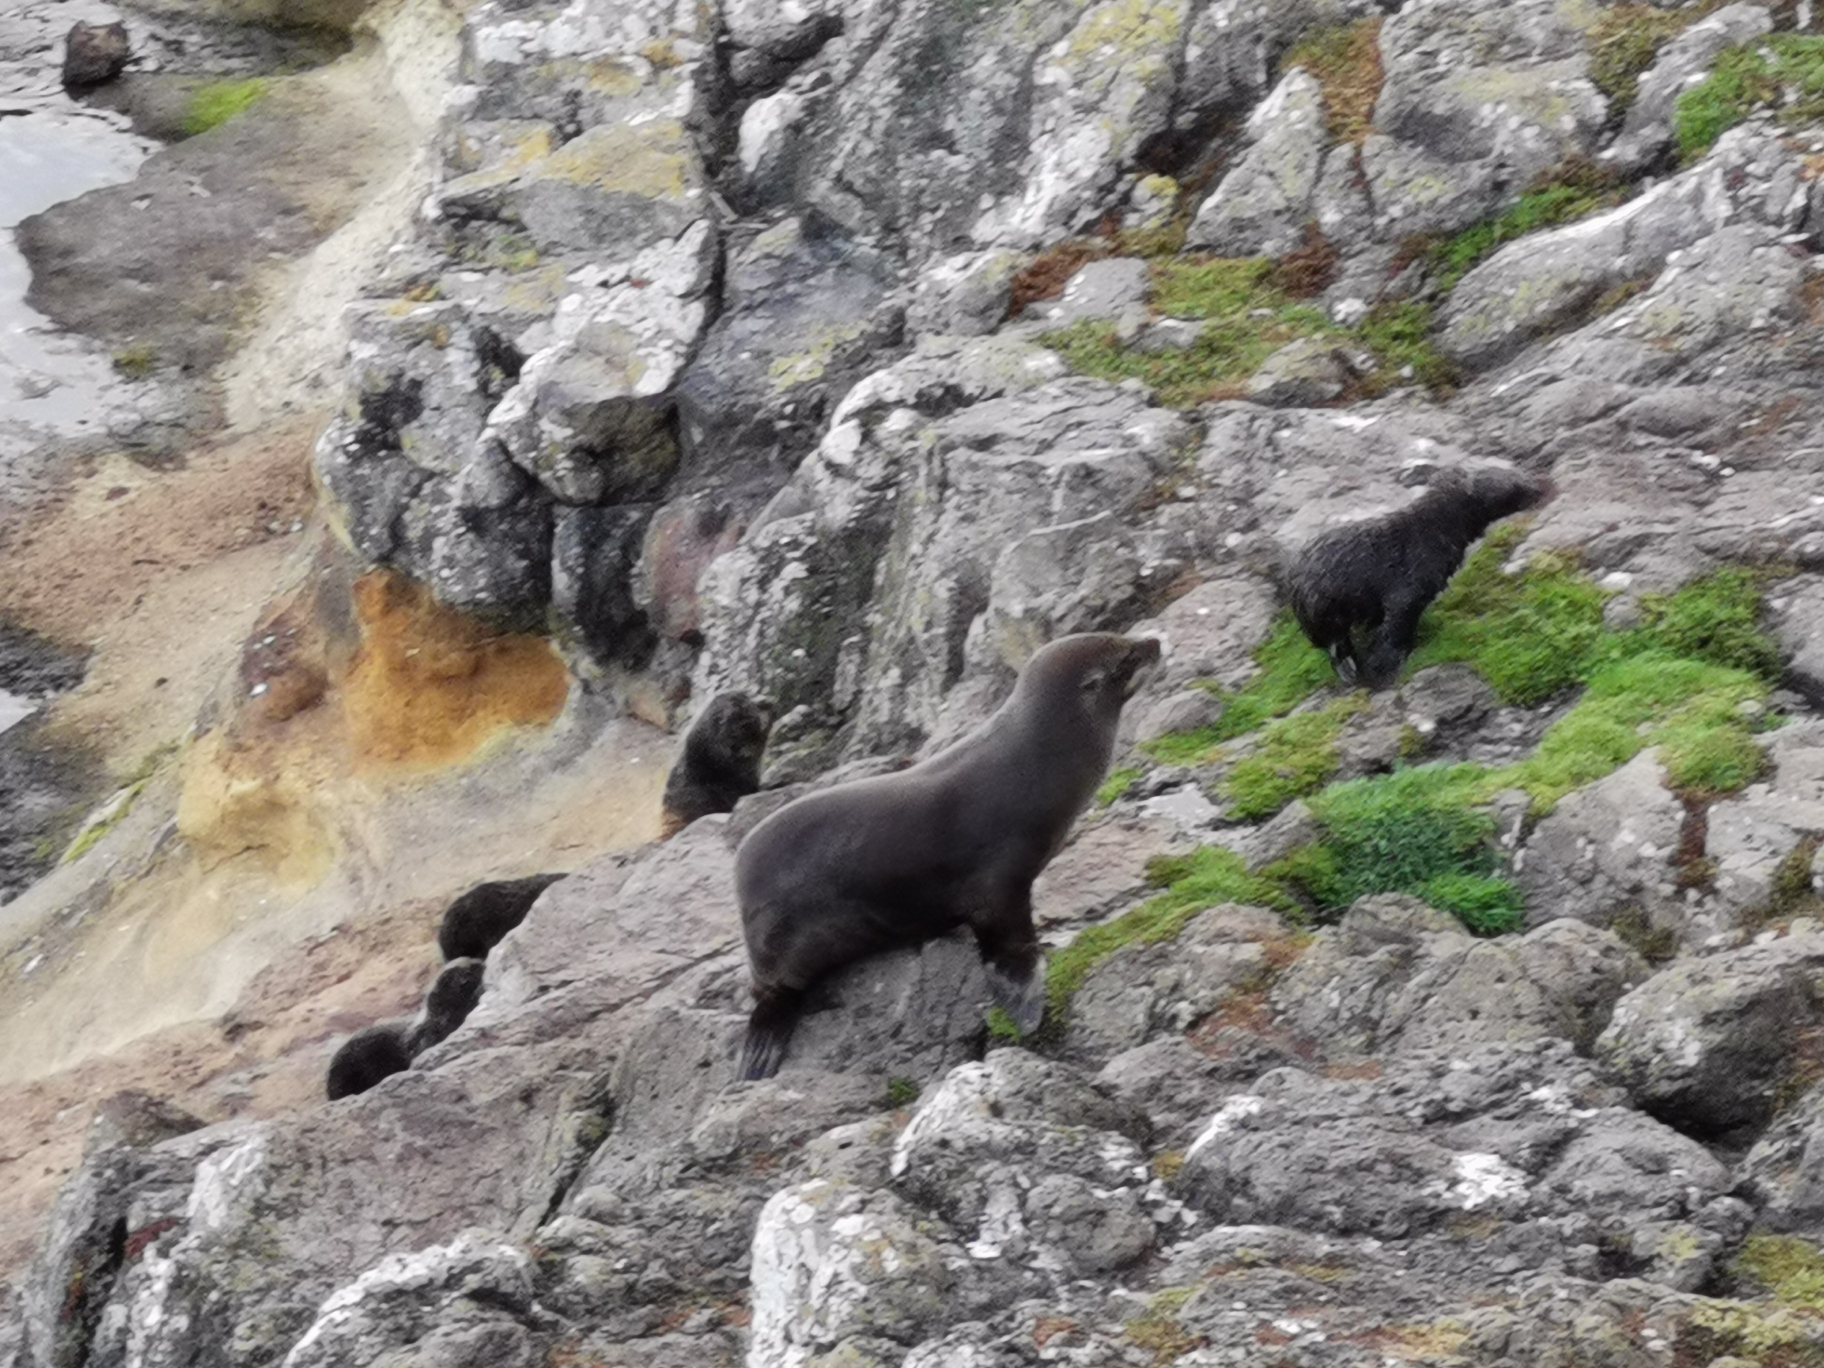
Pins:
x,y
475,923
719,763
1358,590
956,840
389,1047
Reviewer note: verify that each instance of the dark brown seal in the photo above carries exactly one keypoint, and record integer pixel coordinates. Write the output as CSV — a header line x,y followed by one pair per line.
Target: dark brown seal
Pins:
x,y
892,861
475,923
1358,590
719,763
389,1047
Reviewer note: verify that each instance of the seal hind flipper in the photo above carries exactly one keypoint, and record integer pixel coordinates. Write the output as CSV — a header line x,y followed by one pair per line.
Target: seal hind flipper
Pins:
x,y
769,1032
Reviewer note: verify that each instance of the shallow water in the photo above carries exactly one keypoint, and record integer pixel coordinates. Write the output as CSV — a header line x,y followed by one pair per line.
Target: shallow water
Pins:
x,y
52,149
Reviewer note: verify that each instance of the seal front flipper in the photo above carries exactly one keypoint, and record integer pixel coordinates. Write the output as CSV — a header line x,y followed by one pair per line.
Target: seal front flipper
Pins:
x,y
1015,969
769,1032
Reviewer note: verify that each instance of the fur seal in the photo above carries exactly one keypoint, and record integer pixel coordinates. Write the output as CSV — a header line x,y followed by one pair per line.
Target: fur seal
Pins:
x,y
956,840
1358,590
719,763
389,1047
369,1055
475,923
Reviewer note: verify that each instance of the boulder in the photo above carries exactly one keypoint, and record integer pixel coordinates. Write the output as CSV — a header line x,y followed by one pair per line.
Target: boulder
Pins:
x,y
94,53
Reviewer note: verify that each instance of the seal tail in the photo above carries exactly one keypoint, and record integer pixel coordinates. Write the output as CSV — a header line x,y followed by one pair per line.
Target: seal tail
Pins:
x,y
769,1031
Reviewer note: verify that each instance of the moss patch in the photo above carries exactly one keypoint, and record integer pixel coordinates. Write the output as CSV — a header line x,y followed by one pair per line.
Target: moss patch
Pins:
x,y
1785,70
1295,756
1626,38
135,362
1158,1331
218,102
1346,60
1290,670
1116,785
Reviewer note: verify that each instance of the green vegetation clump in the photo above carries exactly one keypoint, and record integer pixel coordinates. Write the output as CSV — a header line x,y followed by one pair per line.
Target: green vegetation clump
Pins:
x,y
1291,670
1295,755
1784,70
1346,60
219,101
135,362
901,1092
1573,193
1250,308
1117,783
1158,1331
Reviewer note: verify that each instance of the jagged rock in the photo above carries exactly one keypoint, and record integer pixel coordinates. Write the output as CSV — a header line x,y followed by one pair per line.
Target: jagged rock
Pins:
x,y
964,295
1211,632
1797,607
1141,991
1416,192
1233,49
1605,847
1113,290
1782,1172
976,1141
1646,133
1179,1085
1546,280
1260,208
1497,1130
1474,86
1187,710
1708,1043
917,490
805,314
833,1261
1301,374
1103,868
1397,975
1750,835
94,53
593,555
1083,576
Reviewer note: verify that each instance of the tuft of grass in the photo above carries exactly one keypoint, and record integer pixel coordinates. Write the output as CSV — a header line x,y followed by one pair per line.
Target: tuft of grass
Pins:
x,y
1291,670
1655,944
1116,784
1716,619
1487,906
1789,1269
1295,756
1570,193
1398,832
135,362
1002,1027
1784,70
1398,332
901,1093
1195,882
1346,60
219,101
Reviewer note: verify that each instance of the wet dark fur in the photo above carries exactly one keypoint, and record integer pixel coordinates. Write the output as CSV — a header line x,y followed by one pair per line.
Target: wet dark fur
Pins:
x,y
720,761
476,922
895,860
1358,590
380,1051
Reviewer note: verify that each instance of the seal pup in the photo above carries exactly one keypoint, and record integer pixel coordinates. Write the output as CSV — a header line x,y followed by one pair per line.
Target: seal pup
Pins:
x,y
956,840
719,763
389,1047
477,921
1358,590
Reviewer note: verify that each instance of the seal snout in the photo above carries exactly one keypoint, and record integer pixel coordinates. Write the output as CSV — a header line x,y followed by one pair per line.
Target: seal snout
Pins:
x,y
1142,654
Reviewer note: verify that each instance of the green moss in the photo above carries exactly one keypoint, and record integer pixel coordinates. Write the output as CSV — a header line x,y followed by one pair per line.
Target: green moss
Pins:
x,y
1002,1027
218,102
1295,755
1195,882
1716,619
1346,60
1158,1331
1784,70
901,1092
1487,906
1398,332
1578,191
1117,784
1396,832
1532,634
136,362
1290,670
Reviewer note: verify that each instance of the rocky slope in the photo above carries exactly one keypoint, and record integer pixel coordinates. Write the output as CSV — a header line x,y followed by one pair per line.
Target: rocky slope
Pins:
x,y
848,350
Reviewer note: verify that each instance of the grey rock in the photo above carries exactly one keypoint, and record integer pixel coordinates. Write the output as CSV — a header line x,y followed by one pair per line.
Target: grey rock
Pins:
x,y
1706,1043
1300,374
1186,710
1416,192
1604,847
1141,991
1103,868
593,555
1783,1172
1083,576
1179,1085
1397,975
1262,204
1750,835
1797,608
1112,290
965,295
1646,133
95,53
1211,632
